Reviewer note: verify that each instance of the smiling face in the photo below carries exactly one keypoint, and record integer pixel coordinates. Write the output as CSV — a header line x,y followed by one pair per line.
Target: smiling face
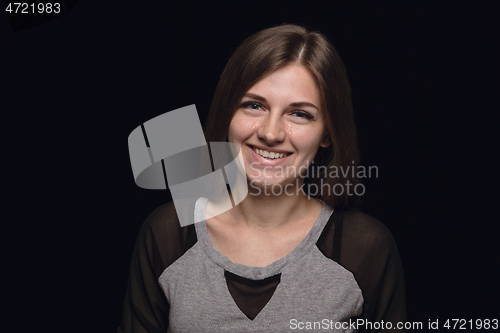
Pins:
x,y
279,126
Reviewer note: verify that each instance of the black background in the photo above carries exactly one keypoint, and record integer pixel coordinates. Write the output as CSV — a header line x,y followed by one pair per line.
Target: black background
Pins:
x,y
423,76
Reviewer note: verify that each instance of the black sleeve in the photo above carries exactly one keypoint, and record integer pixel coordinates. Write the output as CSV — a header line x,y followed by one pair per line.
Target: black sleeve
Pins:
x,y
145,307
370,252
366,248
160,243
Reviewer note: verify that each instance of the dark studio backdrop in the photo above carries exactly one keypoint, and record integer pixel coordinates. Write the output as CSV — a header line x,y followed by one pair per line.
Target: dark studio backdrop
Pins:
x,y
423,78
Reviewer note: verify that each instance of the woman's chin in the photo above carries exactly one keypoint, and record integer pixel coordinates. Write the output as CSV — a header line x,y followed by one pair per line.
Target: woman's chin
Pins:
x,y
273,184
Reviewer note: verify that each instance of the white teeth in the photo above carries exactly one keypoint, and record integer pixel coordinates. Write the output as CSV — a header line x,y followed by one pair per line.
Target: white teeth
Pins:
x,y
268,154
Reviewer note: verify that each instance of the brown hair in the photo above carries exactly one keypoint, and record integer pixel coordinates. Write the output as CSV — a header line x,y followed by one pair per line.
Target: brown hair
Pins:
x,y
274,48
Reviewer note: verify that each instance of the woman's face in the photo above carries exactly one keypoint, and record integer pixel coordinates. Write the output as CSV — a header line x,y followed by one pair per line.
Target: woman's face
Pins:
x,y
279,126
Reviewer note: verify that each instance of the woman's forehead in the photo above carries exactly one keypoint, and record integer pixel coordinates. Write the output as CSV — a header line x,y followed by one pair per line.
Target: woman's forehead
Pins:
x,y
292,83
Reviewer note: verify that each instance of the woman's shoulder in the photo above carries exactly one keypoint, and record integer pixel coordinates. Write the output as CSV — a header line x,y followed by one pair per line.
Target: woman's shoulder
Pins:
x,y
361,244
163,234
364,225
364,233
163,217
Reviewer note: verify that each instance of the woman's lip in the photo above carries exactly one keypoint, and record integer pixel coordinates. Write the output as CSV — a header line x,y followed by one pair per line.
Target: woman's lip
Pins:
x,y
265,161
273,150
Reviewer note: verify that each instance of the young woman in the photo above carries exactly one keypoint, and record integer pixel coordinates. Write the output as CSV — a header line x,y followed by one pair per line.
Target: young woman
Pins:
x,y
293,255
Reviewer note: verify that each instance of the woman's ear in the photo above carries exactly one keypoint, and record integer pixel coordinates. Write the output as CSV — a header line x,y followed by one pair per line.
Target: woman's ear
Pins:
x,y
326,141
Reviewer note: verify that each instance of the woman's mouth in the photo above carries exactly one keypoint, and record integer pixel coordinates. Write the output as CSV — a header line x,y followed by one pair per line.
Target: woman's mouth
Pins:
x,y
269,154
268,157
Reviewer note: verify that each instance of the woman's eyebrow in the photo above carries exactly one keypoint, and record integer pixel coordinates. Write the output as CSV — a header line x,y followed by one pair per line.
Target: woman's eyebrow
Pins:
x,y
301,104
254,96
295,105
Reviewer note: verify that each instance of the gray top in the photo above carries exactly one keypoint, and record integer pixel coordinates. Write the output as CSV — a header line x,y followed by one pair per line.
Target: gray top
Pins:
x,y
312,287
347,269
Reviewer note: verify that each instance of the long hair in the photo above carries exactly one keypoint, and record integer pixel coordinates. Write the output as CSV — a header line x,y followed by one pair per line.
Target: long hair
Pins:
x,y
274,48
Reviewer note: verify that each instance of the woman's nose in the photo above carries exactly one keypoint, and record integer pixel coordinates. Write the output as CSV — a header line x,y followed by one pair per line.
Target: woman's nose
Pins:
x,y
271,130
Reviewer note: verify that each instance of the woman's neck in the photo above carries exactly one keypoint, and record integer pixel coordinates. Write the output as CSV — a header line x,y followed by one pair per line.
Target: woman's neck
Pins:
x,y
270,212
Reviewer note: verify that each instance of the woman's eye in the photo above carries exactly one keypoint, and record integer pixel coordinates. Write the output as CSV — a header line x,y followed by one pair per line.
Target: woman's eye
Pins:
x,y
251,105
301,114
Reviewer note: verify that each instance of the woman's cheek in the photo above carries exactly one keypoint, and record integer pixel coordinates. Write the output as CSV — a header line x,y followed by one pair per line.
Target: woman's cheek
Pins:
x,y
241,128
